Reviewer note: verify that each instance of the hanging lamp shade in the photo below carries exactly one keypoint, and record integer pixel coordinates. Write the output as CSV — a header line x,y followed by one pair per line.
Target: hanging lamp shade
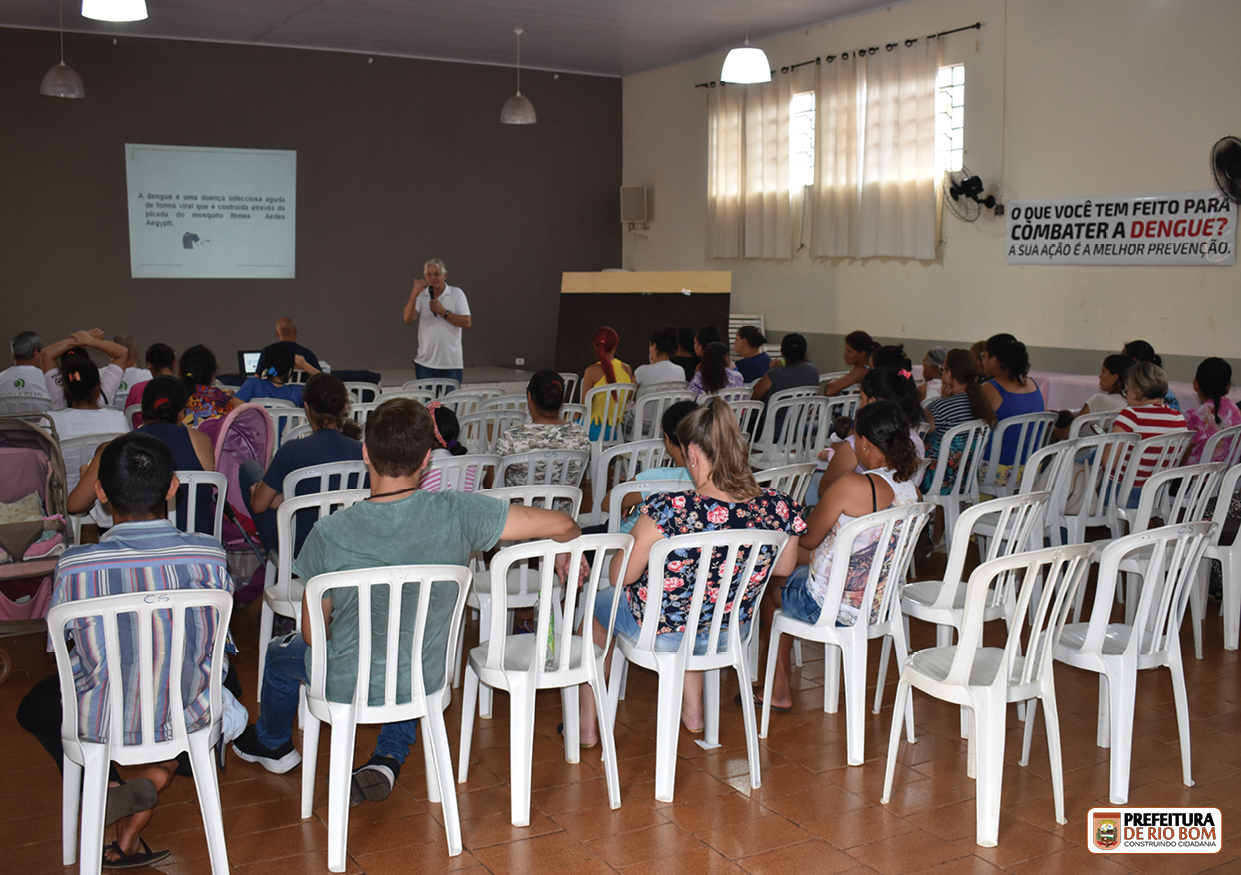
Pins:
x,y
114,10
746,65
518,110
62,81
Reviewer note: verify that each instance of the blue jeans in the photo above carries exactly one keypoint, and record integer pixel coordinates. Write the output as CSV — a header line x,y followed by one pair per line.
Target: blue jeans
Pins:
x,y
796,600
628,626
422,372
283,675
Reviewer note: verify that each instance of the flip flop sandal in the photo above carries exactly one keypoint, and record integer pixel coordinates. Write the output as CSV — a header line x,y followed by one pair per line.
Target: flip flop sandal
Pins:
x,y
585,745
136,860
758,703
129,798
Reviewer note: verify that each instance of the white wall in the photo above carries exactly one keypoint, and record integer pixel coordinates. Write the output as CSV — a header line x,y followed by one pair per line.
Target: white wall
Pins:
x,y
1063,98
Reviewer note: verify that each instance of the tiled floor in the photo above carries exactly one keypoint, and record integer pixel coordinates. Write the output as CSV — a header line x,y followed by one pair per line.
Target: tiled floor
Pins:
x,y
813,813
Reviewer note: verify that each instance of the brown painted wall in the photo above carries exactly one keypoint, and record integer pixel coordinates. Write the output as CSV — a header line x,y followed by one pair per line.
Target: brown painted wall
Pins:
x,y
398,161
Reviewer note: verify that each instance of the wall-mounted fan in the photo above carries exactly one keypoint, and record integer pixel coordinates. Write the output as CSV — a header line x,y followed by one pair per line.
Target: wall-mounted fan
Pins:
x,y
1226,167
962,195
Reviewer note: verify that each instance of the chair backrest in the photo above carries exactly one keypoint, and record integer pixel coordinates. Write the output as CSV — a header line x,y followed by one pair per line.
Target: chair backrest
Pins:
x,y
607,423
649,412
1177,495
729,394
570,385
733,584
296,431
505,402
285,420
517,561
273,403
1224,446
360,411
11,404
1015,518
405,592
340,475
892,533
1094,473
664,386
970,439
748,413
830,377
463,401
563,498
1092,423
1156,453
1228,484
1032,431
574,413
552,467
132,411
292,523
422,396
194,481
796,429
1168,564
842,405
78,451
1054,573
795,392
624,461
460,473
438,385
791,479
480,431
164,621
362,392
621,491
487,390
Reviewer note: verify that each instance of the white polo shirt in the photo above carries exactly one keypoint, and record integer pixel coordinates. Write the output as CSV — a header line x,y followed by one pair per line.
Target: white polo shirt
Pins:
x,y
439,342
23,380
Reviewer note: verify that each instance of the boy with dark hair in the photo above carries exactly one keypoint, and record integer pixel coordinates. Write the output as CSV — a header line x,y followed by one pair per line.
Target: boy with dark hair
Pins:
x,y
136,477
399,524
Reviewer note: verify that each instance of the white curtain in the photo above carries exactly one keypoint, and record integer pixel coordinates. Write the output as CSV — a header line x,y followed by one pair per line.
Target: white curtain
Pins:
x,y
835,192
724,113
897,208
767,229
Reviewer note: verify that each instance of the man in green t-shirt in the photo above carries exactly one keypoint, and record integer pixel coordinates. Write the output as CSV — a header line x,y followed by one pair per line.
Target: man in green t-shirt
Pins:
x,y
398,524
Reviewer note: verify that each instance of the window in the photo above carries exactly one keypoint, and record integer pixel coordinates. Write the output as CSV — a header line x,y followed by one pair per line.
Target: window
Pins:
x,y
949,118
801,140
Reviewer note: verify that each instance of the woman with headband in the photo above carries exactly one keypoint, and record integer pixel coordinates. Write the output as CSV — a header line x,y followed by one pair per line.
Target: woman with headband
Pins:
x,y
447,431
545,430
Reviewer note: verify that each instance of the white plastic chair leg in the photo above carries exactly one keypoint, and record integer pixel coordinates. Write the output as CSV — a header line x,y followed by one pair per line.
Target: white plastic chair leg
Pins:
x,y
71,801
711,705
671,691
1197,607
884,649
607,739
751,729
435,736
796,655
1121,703
521,745
1230,605
773,647
484,633
310,756
1051,722
1181,698
616,681
469,705
1027,736
94,801
569,707
435,791
988,742
831,678
855,704
339,780
903,694
202,756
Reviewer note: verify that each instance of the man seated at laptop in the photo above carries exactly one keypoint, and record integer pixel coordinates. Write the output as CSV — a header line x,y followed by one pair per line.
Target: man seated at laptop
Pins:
x,y
286,332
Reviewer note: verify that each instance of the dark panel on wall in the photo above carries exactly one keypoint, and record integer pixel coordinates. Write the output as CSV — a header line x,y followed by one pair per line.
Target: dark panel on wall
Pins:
x,y
633,317
398,161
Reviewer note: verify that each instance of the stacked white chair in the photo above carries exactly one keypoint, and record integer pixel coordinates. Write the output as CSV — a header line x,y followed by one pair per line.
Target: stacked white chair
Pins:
x,y
985,679
524,664
1117,651
381,585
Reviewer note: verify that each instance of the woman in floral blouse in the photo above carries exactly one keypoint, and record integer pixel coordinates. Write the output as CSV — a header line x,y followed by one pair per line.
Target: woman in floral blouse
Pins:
x,y
725,496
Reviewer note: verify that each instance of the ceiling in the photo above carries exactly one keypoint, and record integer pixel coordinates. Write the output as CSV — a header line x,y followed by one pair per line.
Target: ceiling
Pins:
x,y
600,37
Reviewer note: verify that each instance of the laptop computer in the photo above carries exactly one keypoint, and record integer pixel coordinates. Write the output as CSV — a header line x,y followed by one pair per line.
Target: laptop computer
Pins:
x,y
248,361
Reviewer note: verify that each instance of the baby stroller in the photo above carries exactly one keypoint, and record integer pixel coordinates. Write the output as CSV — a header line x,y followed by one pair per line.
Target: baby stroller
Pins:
x,y
32,526
246,433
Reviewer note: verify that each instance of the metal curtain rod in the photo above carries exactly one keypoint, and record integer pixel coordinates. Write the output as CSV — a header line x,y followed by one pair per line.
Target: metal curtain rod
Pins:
x,y
977,25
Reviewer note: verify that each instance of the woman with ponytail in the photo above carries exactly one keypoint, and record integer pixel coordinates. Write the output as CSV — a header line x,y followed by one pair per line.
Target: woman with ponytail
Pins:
x,y
608,369
447,431
546,430
725,496
715,372
198,369
1215,410
961,399
1010,392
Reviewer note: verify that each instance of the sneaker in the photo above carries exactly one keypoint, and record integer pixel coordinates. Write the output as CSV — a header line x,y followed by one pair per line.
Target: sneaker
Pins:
x,y
249,748
373,781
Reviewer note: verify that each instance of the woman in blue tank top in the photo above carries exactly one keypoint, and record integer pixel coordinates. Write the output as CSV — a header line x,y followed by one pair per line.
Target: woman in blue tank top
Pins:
x,y
1010,391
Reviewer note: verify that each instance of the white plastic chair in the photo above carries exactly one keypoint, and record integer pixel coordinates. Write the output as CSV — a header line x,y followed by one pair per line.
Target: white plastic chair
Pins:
x,y
437,385
574,413
1164,451
524,664
1086,504
794,430
282,592
624,461
736,587
649,412
422,396
505,402
795,392
645,488
284,420
729,394
213,481
793,480
294,432
1032,430
616,399
390,588
570,385
360,411
1226,443
550,467
132,411
85,781
830,377
273,403
464,401
464,473
1047,470
972,437
480,431
986,679
898,530
1092,423
1229,558
14,404
362,393
1118,650
748,413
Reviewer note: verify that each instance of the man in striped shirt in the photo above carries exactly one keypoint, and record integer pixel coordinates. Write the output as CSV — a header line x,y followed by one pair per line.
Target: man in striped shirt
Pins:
x,y
142,552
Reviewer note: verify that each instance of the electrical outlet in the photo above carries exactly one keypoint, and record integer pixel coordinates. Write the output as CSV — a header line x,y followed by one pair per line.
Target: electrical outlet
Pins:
x,y
521,361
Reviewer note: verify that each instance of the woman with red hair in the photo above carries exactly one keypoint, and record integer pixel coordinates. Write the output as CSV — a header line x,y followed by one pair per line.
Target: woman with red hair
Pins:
x,y
608,369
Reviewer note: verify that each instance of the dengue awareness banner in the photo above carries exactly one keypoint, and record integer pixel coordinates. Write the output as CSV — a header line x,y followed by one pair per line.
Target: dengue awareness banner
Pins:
x,y
1187,228
211,212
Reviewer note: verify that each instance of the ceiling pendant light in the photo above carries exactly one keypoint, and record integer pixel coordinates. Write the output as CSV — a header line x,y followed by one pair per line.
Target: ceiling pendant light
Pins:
x,y
114,10
518,110
62,80
746,64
